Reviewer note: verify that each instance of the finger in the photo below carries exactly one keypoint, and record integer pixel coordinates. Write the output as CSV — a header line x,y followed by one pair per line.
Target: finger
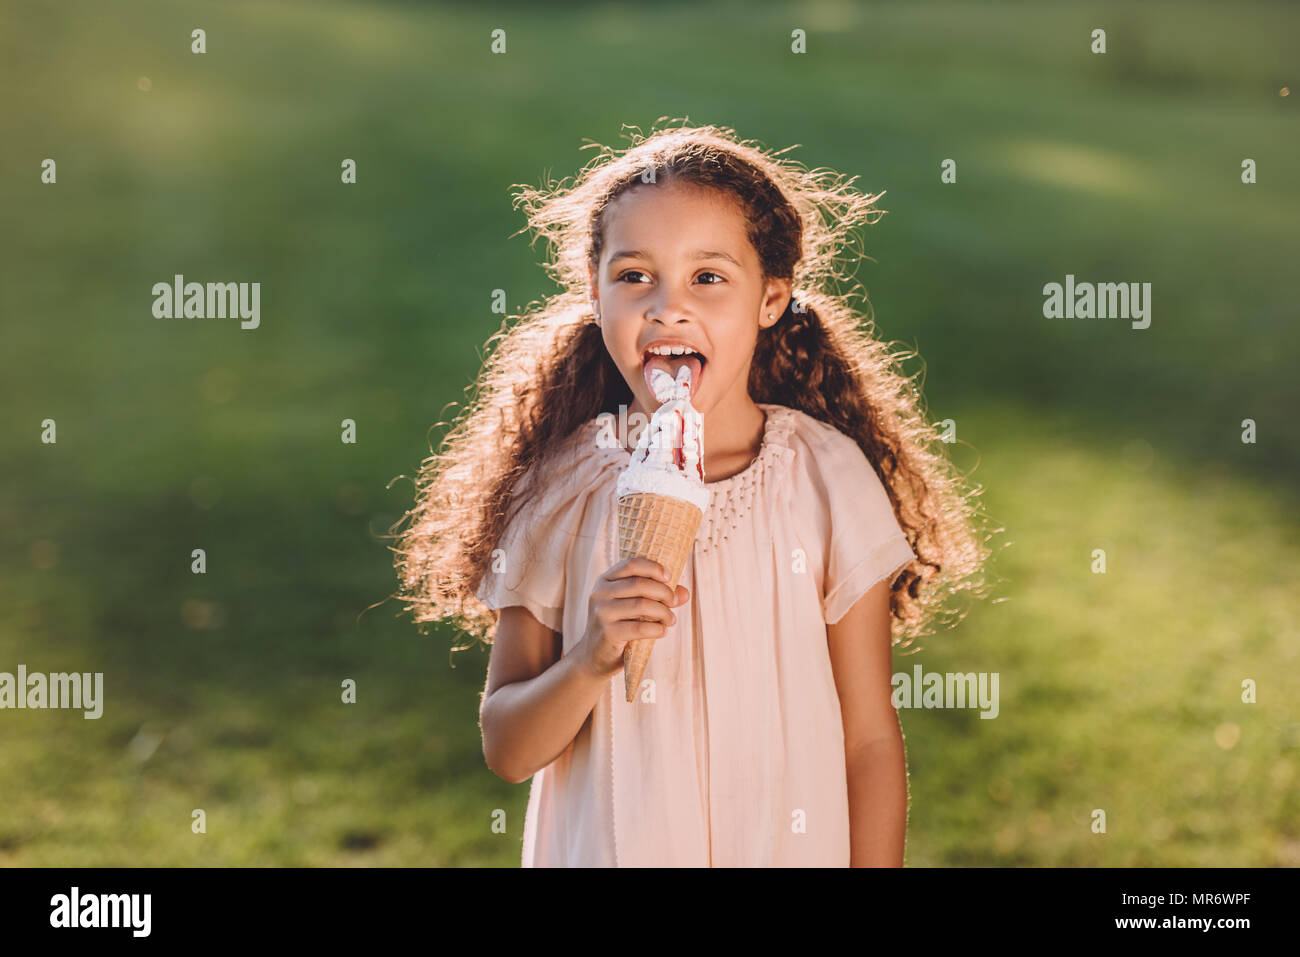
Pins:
x,y
628,609
634,566
649,587
625,631
682,596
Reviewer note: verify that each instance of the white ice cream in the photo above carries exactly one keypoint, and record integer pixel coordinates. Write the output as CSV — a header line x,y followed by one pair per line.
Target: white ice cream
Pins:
x,y
676,430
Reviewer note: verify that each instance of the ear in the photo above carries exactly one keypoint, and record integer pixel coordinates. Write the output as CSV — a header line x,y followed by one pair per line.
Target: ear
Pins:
x,y
776,300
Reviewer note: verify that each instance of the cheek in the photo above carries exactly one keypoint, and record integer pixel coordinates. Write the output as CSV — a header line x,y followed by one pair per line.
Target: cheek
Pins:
x,y
620,341
732,352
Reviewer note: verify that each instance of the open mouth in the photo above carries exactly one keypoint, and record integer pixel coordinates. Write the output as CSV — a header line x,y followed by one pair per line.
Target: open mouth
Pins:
x,y
670,359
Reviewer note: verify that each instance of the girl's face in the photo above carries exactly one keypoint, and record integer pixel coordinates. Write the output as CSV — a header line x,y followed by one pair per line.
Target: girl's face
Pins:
x,y
677,268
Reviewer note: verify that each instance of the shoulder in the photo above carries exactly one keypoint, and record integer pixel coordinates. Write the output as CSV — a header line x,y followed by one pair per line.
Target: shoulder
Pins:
x,y
824,451
832,481
557,498
553,495
579,458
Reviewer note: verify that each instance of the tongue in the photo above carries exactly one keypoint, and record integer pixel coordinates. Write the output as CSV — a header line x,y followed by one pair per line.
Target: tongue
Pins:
x,y
671,364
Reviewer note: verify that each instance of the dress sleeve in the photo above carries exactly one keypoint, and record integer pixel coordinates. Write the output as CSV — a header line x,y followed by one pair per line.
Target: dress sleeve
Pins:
x,y
527,566
530,565
865,543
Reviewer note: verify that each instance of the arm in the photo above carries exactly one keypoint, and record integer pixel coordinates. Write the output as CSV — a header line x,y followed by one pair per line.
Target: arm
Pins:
x,y
875,762
536,700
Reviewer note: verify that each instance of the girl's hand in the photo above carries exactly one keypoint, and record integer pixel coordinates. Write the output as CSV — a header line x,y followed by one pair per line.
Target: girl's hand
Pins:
x,y
629,601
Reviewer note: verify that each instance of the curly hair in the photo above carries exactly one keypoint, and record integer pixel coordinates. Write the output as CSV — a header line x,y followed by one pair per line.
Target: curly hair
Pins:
x,y
550,373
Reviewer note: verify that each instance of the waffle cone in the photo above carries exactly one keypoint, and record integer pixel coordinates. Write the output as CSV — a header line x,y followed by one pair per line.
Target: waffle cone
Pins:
x,y
662,529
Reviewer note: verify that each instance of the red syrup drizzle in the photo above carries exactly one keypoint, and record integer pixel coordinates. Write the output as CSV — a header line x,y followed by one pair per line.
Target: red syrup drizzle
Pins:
x,y
679,453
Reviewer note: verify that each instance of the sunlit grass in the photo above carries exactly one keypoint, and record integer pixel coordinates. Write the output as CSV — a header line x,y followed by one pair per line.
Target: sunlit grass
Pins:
x,y
1079,167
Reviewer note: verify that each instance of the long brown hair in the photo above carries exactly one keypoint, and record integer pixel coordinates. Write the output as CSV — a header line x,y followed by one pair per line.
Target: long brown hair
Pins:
x,y
550,373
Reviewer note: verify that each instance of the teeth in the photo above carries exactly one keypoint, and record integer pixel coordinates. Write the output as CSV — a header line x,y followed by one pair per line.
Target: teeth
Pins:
x,y
672,351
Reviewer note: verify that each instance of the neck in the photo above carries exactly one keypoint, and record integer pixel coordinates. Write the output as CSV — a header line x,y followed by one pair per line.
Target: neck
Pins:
x,y
732,439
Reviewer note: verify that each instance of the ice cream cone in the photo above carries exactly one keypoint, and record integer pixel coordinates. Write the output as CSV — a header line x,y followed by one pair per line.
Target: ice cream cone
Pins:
x,y
661,528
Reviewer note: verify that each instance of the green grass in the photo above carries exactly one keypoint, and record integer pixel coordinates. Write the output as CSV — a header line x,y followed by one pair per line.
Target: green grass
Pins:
x,y
1119,692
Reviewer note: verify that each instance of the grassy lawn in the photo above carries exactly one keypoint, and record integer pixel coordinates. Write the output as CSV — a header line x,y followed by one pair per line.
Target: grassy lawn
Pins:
x,y
1118,691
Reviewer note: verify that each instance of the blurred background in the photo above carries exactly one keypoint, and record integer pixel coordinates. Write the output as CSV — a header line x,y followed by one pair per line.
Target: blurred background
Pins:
x,y
1120,691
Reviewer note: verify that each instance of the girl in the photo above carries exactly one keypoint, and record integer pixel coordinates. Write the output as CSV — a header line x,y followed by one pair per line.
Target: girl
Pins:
x,y
764,733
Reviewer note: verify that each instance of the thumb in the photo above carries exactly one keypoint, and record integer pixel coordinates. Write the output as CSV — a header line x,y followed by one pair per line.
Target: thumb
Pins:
x,y
683,595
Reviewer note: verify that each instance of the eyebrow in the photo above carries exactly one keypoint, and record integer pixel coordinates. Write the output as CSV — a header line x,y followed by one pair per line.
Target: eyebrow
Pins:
x,y
700,254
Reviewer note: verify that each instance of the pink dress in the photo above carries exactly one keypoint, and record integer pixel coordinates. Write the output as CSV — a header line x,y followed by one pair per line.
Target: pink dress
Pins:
x,y
739,759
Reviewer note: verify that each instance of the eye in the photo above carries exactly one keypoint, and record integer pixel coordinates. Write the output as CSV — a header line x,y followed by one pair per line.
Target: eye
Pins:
x,y
715,275
629,272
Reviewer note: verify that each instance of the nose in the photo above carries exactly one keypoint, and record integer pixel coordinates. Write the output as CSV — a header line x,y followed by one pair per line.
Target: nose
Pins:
x,y
670,311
